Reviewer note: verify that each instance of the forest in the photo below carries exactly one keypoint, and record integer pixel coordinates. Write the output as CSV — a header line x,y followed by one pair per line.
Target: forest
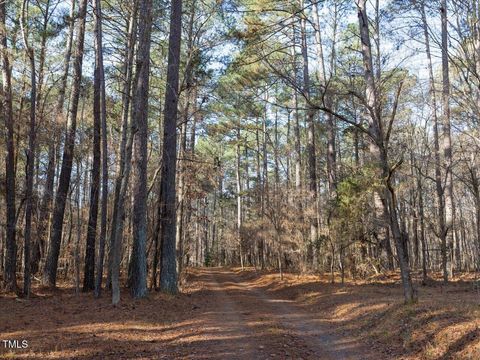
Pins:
x,y
167,160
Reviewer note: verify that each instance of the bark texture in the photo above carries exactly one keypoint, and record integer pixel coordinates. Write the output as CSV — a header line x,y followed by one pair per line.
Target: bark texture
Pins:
x,y
168,275
50,270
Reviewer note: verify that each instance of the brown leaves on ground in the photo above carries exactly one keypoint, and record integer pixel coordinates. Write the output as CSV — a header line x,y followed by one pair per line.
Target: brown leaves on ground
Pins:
x,y
444,324
60,324
235,314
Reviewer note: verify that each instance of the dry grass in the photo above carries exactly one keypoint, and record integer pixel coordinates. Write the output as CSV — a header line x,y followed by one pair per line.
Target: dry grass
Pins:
x,y
444,324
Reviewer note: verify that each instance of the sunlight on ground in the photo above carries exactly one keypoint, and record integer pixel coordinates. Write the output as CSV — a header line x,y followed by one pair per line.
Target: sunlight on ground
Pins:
x,y
245,307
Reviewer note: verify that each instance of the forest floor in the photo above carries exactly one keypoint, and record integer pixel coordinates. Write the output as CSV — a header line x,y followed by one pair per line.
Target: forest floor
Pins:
x,y
232,314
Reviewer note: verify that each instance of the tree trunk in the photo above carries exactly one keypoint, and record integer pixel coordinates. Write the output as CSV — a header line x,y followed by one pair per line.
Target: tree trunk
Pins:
x,y
138,274
447,239
331,133
433,105
296,129
9,277
118,223
239,196
181,192
51,264
189,97
156,248
89,271
126,143
379,151
310,148
103,119
168,275
421,215
76,252
46,204
29,171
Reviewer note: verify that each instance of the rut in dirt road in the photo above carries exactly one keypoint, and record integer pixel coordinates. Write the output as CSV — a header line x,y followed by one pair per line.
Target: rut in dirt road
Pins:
x,y
244,321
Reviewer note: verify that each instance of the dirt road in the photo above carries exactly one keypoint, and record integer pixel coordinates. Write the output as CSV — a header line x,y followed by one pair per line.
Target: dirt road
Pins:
x,y
241,320
230,314
221,314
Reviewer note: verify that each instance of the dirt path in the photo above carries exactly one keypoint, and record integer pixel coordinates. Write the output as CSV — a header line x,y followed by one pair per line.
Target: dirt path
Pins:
x,y
221,314
229,314
244,321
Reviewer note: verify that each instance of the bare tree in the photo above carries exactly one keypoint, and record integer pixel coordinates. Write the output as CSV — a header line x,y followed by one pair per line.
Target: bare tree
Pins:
x,y
433,106
446,140
379,149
